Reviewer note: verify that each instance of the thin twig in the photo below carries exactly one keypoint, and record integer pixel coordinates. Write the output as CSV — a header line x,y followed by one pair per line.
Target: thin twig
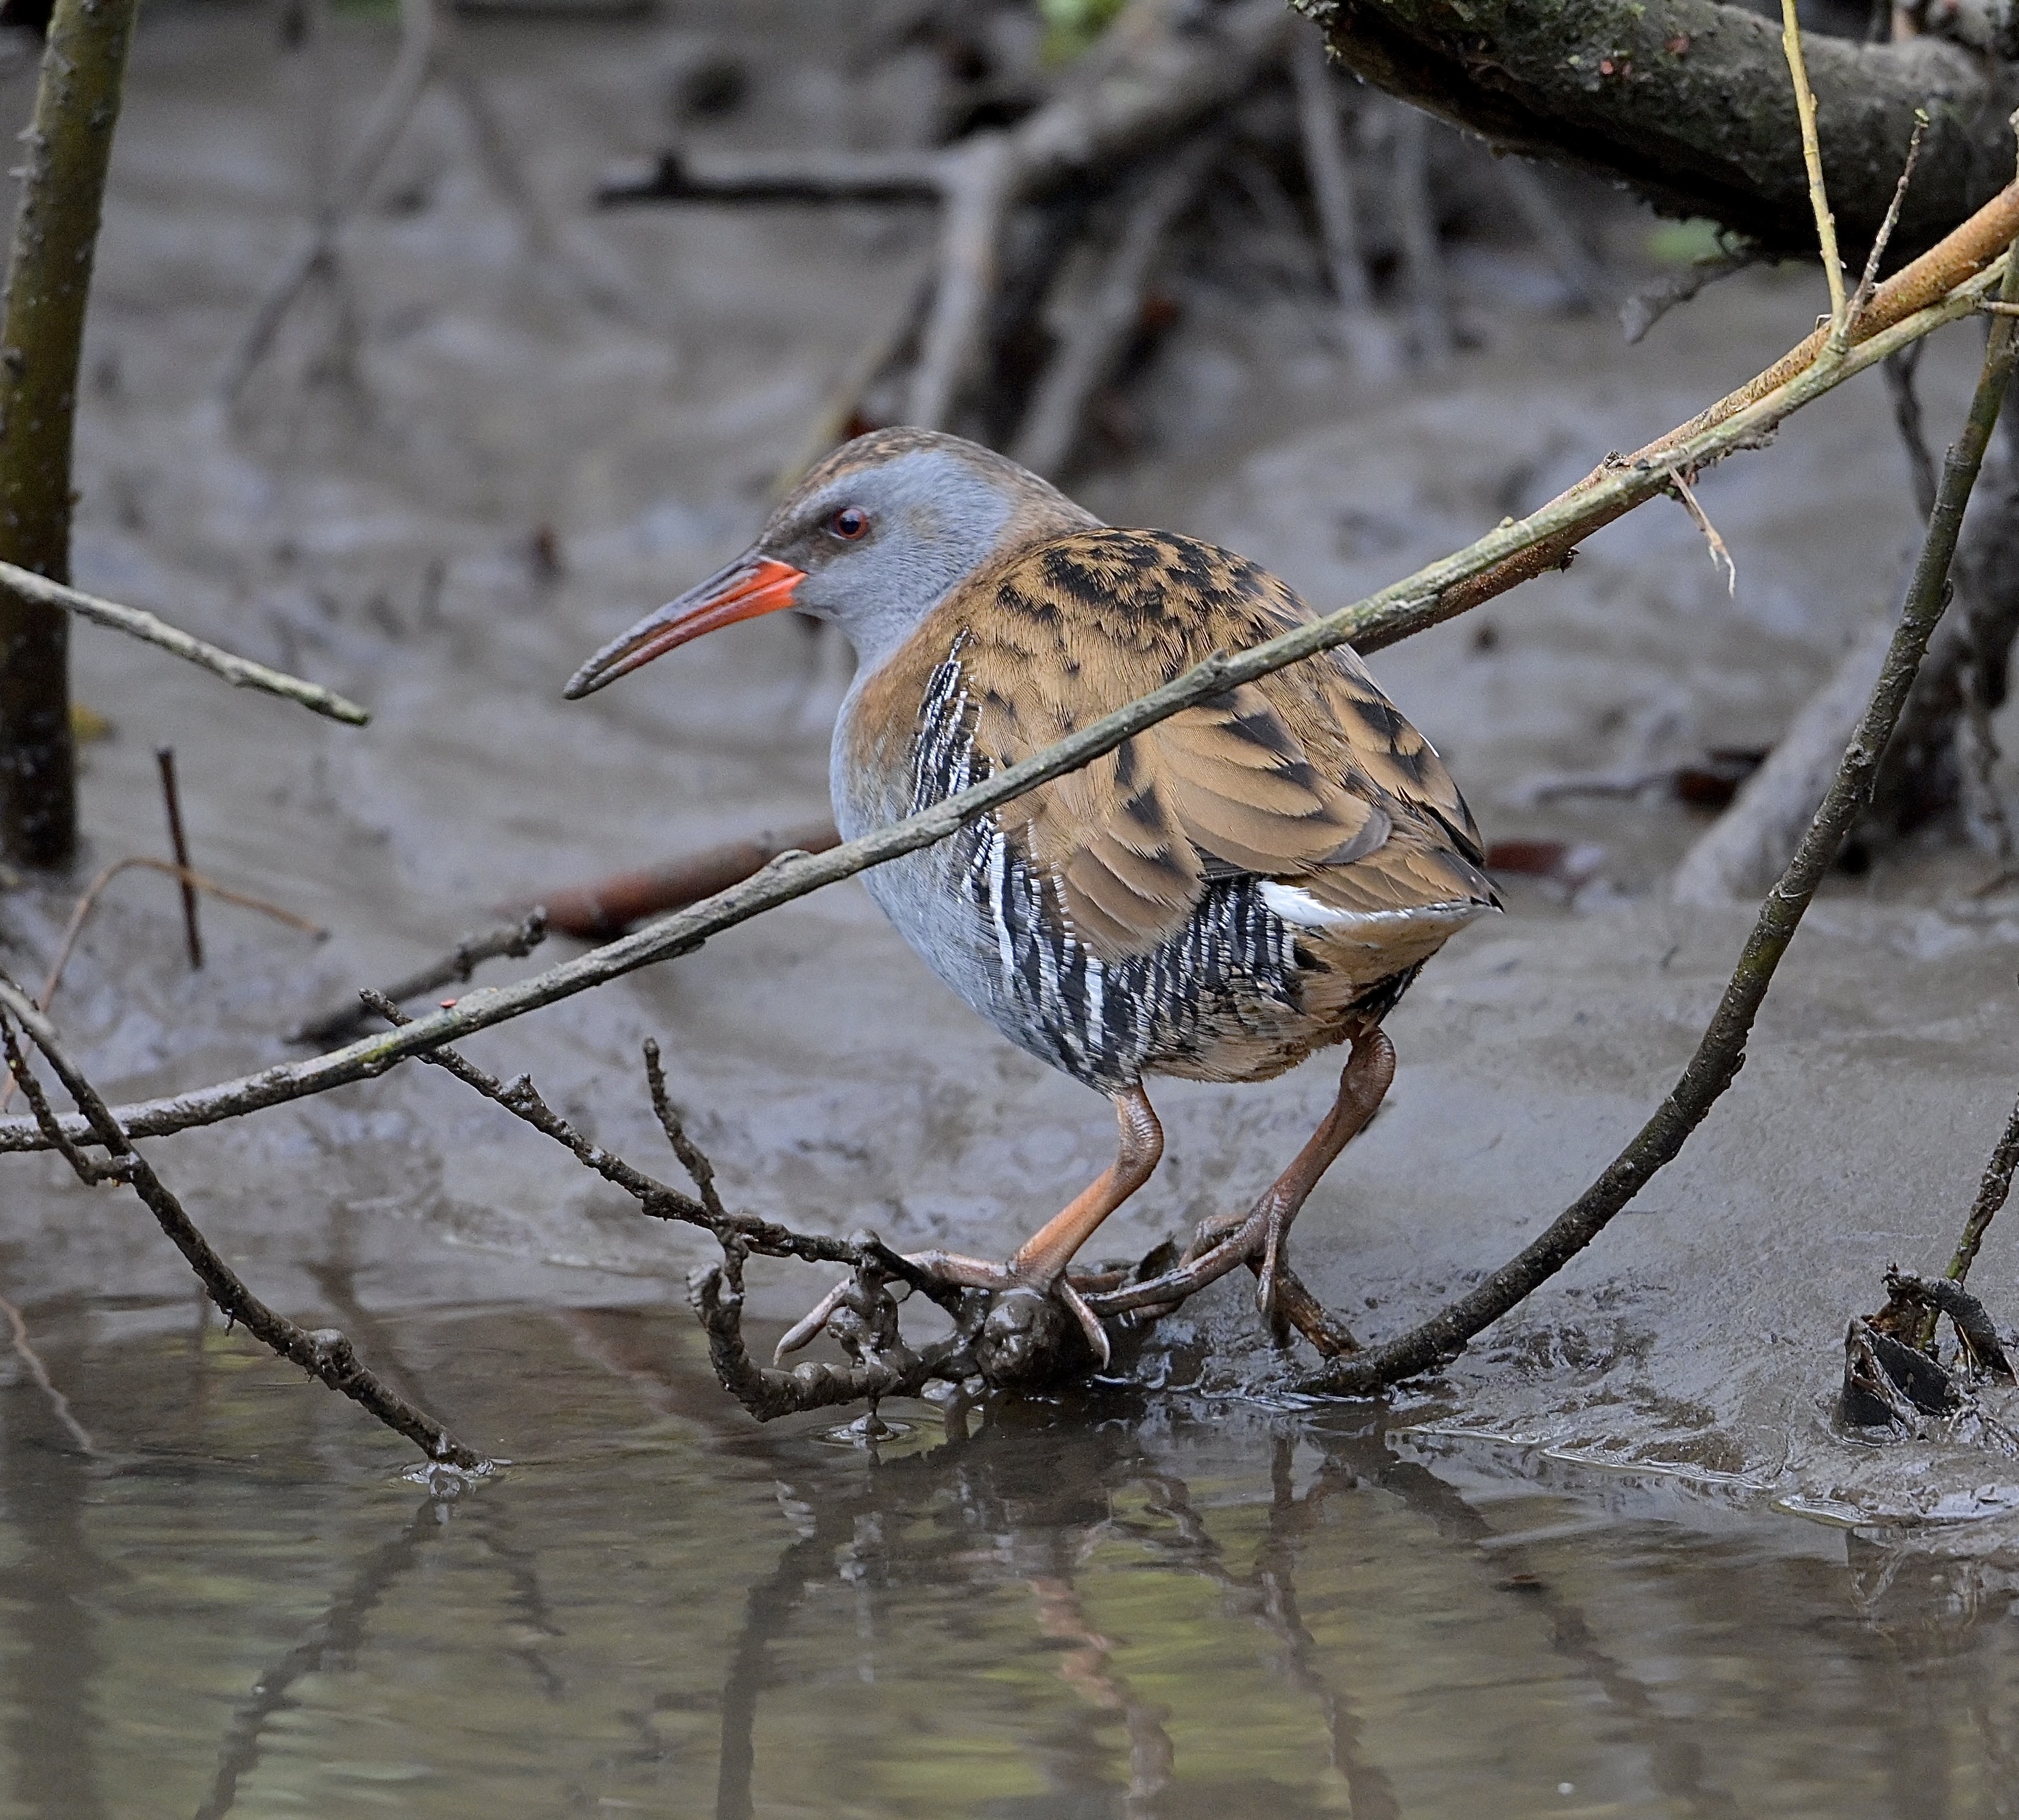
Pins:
x,y
1097,334
1496,561
1867,284
1545,219
1751,842
1423,264
190,881
1721,1053
1165,70
701,1172
1322,130
165,757
511,940
1992,1192
523,1100
1648,305
391,109
1812,155
1720,553
980,190
135,622
324,1353
830,425
1899,371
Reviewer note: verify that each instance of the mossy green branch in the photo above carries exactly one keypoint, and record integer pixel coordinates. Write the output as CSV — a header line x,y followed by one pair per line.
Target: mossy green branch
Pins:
x,y
68,147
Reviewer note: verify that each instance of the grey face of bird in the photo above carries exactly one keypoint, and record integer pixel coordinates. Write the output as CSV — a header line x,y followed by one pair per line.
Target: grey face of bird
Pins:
x,y
879,547
870,541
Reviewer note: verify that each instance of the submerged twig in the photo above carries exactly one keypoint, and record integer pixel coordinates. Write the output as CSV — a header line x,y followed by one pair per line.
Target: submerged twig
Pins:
x,y
510,941
165,757
1721,1052
324,1353
1495,562
24,1350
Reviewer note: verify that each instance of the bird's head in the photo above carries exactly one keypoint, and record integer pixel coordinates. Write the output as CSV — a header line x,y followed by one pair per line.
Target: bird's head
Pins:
x,y
873,538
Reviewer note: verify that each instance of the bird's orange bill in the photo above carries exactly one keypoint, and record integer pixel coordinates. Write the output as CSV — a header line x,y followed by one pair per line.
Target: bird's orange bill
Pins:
x,y
749,585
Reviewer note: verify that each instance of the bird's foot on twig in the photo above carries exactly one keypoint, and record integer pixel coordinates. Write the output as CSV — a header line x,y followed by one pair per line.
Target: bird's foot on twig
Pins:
x,y
1258,1238
1018,1340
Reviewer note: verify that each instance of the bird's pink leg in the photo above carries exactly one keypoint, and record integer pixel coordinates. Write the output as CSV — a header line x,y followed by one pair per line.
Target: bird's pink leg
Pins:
x,y
1256,1238
1040,1264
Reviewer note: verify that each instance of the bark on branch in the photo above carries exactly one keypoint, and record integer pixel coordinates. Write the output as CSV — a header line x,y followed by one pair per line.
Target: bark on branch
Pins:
x,y
1688,102
69,146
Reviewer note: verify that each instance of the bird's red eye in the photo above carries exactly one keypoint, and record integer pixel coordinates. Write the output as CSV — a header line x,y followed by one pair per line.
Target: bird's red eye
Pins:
x,y
850,524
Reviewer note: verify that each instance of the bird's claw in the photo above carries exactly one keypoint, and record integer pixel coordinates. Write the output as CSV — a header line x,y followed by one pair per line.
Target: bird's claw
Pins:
x,y
968,1273
1089,1322
804,1330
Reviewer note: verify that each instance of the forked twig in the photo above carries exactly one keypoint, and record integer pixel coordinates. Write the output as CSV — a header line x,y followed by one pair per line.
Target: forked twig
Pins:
x,y
391,109
509,941
324,1353
189,880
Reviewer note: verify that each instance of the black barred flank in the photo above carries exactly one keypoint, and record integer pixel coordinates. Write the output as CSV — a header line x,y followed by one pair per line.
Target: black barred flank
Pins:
x,y
1234,965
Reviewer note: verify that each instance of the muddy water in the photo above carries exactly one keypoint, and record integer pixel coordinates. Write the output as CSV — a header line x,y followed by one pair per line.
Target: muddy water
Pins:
x,y
1620,1556
1118,1606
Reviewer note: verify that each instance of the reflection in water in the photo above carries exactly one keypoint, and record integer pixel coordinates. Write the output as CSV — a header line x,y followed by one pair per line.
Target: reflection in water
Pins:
x,y
1138,1608
48,1575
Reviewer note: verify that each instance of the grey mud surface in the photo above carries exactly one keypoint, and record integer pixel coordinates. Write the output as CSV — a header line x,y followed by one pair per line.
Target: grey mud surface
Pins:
x,y
366,514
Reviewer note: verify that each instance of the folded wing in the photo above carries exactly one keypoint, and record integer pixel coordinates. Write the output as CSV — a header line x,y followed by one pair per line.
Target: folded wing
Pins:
x,y
1310,779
